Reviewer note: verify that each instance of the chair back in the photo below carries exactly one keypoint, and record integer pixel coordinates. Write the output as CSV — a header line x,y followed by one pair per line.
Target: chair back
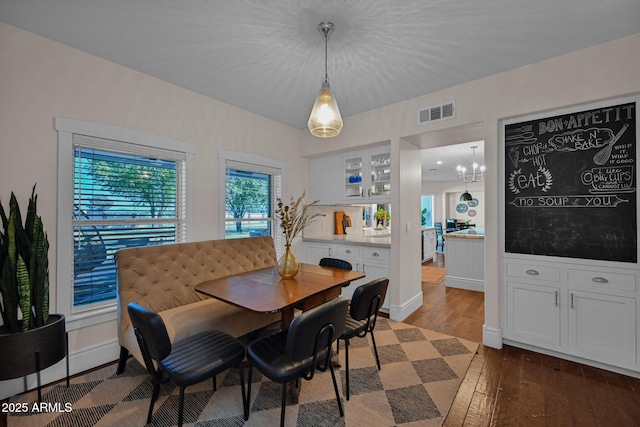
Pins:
x,y
438,226
336,263
314,330
368,298
151,334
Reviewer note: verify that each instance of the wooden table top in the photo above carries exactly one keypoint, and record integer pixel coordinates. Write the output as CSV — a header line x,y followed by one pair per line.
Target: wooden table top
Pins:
x,y
264,291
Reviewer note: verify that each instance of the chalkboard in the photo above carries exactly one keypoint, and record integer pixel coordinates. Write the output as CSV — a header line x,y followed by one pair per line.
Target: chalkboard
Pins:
x,y
571,185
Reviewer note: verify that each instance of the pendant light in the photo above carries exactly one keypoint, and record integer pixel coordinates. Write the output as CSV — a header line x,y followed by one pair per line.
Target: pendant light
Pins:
x,y
325,120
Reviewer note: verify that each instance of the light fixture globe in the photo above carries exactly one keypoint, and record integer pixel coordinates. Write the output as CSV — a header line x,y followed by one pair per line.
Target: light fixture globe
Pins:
x,y
325,120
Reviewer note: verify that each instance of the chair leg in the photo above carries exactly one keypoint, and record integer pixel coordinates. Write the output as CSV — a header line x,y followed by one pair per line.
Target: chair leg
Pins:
x,y
335,387
248,402
284,403
154,397
215,383
181,407
245,405
346,363
375,349
122,363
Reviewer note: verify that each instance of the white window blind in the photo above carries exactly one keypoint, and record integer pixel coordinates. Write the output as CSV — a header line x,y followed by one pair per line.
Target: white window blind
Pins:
x,y
125,195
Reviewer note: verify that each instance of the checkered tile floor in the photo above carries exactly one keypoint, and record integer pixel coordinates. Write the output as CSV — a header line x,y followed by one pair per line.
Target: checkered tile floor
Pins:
x,y
420,375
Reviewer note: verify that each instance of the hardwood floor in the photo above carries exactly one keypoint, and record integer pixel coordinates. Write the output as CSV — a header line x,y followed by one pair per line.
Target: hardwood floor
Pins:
x,y
516,387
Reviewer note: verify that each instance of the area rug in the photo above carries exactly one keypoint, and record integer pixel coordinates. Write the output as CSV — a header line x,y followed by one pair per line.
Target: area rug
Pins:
x,y
420,376
432,274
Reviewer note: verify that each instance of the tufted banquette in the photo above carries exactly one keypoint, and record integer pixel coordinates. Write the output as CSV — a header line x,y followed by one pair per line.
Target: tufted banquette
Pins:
x,y
162,278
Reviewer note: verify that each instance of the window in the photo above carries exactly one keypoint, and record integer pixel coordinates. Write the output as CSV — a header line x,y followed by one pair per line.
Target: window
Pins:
x,y
113,194
120,200
426,208
252,185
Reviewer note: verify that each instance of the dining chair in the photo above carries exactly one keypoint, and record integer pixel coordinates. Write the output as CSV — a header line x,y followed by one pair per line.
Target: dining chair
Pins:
x,y
363,314
296,353
186,362
337,263
439,235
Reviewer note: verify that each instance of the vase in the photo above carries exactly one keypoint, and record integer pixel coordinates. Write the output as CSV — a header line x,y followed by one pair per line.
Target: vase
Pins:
x,y
288,264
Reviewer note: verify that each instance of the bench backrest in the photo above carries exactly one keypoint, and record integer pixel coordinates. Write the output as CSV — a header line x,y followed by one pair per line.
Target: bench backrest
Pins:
x,y
164,276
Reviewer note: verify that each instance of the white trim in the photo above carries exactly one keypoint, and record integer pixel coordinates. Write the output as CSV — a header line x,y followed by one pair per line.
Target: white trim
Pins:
x,y
464,283
79,361
248,158
66,128
401,312
492,337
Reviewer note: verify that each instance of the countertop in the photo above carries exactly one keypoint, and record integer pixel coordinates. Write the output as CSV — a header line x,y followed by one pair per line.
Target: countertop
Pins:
x,y
380,239
470,233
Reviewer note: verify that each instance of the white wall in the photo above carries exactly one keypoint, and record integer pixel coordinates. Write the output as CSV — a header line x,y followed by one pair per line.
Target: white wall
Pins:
x,y
41,79
601,72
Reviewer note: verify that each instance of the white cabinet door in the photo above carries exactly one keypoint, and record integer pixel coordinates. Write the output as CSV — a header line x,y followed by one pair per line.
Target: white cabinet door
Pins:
x,y
602,327
533,314
316,251
428,244
325,182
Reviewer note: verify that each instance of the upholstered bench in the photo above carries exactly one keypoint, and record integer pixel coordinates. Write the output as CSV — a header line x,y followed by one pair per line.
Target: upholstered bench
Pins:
x,y
162,278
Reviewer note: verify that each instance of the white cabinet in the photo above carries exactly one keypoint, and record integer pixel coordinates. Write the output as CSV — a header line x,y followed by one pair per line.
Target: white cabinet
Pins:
x,y
373,261
579,310
362,176
367,176
602,327
429,242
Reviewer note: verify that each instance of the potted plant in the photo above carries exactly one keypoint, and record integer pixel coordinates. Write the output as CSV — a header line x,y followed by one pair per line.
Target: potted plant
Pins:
x,y
30,338
382,216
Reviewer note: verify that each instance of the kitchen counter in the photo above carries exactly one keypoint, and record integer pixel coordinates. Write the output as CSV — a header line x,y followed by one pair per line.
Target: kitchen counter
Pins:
x,y
380,240
464,252
471,233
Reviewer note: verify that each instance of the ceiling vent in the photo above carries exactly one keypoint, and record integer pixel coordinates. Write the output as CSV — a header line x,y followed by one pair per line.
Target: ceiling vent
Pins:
x,y
436,113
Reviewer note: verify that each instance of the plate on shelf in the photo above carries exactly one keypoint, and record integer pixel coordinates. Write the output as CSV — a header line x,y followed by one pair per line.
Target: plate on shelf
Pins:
x,y
472,203
461,208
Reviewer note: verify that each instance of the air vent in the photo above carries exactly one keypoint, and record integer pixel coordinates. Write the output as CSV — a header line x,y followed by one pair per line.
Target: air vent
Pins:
x,y
436,113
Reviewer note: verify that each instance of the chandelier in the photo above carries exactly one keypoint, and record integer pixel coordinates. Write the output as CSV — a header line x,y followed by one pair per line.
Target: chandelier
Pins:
x,y
325,120
475,174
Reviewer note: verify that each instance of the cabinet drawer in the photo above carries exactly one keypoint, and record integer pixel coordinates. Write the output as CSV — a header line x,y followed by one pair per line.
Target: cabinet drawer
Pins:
x,y
604,280
346,251
375,254
533,272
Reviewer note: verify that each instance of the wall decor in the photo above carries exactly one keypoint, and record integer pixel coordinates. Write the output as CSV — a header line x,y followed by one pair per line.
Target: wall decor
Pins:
x,y
472,203
570,184
472,212
461,208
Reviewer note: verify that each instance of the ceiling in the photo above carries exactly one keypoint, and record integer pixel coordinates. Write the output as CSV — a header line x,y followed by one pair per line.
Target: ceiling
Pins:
x,y
267,57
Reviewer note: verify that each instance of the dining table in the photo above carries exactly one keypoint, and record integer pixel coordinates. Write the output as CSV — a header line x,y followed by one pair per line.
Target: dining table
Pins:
x,y
264,291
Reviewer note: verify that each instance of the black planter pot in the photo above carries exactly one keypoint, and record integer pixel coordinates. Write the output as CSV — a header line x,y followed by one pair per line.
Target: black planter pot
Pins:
x,y
23,353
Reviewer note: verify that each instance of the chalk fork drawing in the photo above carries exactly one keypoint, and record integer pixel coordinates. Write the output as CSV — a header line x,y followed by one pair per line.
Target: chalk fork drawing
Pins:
x,y
603,155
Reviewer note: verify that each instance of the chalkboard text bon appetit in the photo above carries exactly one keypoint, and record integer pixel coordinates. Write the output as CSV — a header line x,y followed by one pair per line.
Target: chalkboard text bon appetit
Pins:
x,y
587,118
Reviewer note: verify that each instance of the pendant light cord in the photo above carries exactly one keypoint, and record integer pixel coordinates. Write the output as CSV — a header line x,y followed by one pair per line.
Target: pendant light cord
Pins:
x,y
326,38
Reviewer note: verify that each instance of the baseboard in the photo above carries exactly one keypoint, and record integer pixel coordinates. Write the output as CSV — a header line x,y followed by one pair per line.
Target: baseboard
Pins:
x,y
399,313
79,361
492,337
463,283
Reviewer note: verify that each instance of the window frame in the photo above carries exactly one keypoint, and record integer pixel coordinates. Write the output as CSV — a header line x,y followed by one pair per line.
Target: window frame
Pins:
x,y
254,163
138,142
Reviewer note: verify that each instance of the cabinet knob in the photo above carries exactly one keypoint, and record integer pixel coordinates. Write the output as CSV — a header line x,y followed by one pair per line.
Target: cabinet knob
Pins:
x,y
532,272
348,251
375,254
599,280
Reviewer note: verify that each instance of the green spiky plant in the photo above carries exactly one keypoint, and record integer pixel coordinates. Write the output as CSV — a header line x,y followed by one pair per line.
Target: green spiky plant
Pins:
x,y
24,267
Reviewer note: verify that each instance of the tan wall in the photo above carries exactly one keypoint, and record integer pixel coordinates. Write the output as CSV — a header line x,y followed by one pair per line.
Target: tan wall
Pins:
x,y
601,72
41,79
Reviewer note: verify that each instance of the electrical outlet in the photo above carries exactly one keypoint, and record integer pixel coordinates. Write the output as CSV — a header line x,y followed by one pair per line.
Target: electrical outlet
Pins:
x,y
408,227
324,224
